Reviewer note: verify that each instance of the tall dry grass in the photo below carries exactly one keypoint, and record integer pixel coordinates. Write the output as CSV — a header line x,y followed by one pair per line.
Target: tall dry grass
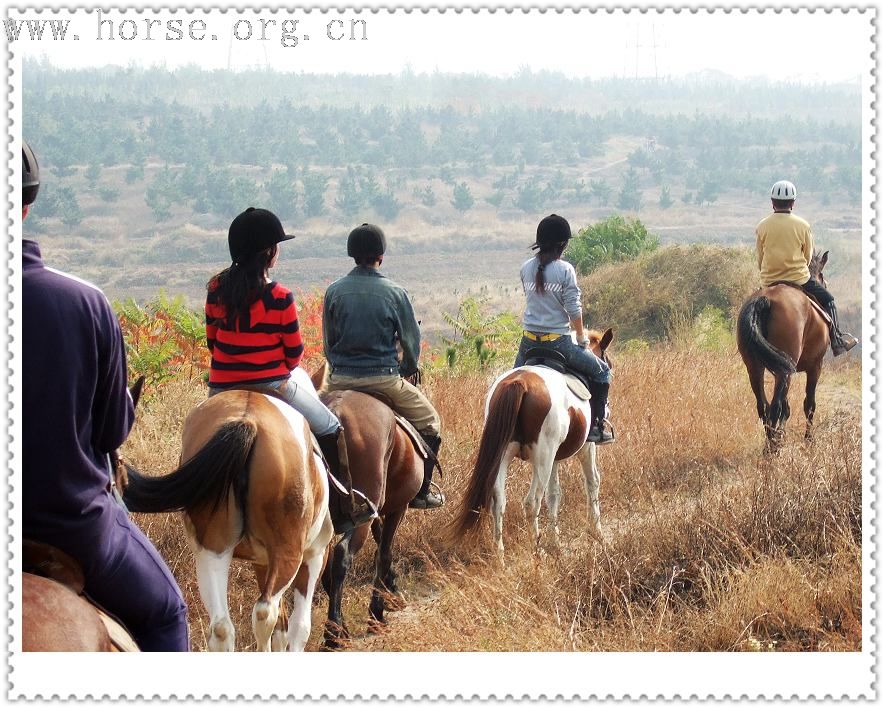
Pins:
x,y
709,546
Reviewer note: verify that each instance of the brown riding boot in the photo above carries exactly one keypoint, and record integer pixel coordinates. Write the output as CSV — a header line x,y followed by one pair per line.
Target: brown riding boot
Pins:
x,y
353,509
841,341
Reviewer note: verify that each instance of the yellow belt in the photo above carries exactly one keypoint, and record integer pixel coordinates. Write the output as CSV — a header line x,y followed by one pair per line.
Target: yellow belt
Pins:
x,y
540,337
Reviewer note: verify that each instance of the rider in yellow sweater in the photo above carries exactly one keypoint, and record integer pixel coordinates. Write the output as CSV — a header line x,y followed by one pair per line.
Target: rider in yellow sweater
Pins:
x,y
784,243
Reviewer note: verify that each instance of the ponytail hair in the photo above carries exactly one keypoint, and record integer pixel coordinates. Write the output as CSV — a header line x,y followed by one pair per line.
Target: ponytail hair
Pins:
x,y
240,285
545,256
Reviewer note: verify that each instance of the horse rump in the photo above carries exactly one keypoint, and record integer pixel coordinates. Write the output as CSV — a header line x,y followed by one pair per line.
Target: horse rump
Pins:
x,y
752,339
220,466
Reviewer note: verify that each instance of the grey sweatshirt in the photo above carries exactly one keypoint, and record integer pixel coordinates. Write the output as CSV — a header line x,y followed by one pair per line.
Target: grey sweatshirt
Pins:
x,y
551,311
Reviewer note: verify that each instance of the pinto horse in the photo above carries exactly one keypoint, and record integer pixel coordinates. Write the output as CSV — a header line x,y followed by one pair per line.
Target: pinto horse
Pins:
x,y
385,466
781,330
251,485
531,413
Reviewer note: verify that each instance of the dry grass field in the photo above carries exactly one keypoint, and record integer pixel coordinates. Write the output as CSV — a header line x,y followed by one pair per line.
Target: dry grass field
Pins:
x,y
708,545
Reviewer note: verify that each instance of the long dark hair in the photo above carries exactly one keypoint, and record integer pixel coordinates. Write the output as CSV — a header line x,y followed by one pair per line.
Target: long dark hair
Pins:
x,y
240,285
545,256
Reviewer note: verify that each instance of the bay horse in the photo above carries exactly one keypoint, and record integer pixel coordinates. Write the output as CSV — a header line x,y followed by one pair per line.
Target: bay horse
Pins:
x,y
386,466
252,486
530,412
781,330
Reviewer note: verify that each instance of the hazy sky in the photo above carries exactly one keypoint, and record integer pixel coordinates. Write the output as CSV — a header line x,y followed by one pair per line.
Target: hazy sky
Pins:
x,y
807,46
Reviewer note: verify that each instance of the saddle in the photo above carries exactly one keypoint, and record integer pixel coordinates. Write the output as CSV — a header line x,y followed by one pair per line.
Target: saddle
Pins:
x,y
578,383
813,301
54,564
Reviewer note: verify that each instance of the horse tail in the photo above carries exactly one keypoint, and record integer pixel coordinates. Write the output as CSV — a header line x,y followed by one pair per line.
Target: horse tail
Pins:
x,y
751,328
219,468
503,414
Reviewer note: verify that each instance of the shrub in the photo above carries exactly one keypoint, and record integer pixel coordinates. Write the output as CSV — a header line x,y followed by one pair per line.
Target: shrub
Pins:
x,y
609,241
479,338
670,292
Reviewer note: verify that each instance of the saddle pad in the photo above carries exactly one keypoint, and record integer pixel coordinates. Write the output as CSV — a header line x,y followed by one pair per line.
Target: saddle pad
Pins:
x,y
578,388
821,311
420,445
120,638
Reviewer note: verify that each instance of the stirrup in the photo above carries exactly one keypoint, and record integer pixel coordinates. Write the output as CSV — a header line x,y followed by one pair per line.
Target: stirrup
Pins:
x,y
433,499
598,438
845,343
356,517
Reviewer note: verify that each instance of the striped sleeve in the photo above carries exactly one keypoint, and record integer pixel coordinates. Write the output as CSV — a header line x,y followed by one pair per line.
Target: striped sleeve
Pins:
x,y
292,344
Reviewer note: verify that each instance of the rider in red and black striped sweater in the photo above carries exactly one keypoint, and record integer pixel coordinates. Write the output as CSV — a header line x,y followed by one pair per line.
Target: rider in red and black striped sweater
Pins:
x,y
252,333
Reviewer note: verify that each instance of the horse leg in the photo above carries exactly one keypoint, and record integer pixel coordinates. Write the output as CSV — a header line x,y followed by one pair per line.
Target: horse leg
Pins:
x,y
278,639
813,376
212,570
302,600
778,412
544,459
342,557
592,482
385,577
277,577
756,380
553,498
498,496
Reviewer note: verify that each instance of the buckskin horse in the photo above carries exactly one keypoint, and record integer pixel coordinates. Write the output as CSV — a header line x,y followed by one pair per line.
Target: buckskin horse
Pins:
x,y
251,485
530,412
385,465
781,330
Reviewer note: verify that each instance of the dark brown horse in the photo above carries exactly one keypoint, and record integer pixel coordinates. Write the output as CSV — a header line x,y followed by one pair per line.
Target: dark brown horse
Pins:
x,y
386,467
781,330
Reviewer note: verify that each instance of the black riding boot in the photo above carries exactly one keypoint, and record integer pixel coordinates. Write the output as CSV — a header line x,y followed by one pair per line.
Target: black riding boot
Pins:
x,y
353,509
427,498
841,341
598,434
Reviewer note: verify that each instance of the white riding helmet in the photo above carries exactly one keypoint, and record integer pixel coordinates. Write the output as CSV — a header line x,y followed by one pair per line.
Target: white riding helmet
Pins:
x,y
784,190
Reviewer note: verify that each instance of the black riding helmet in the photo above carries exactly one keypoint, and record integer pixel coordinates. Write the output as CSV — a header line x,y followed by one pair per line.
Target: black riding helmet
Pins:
x,y
366,241
552,230
253,231
30,175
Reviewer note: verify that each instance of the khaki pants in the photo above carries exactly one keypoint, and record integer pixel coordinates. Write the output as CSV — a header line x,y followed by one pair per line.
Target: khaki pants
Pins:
x,y
407,400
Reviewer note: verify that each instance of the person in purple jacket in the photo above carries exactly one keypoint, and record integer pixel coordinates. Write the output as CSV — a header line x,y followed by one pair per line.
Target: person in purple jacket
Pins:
x,y
76,409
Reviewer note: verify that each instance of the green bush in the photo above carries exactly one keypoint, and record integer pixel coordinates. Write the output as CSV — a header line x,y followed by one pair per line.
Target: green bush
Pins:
x,y
674,292
609,241
479,338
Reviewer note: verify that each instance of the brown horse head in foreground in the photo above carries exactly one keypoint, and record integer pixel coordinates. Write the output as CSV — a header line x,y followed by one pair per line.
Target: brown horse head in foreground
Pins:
x,y
781,330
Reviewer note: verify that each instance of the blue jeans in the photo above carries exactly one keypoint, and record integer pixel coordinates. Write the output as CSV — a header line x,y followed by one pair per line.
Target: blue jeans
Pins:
x,y
582,360
320,419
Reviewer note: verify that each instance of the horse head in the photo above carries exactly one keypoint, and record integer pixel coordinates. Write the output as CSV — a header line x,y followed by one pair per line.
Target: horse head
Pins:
x,y
599,343
816,265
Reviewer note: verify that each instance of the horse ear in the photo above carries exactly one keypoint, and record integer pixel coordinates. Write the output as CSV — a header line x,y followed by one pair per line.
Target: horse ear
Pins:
x,y
318,376
135,391
823,260
607,338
